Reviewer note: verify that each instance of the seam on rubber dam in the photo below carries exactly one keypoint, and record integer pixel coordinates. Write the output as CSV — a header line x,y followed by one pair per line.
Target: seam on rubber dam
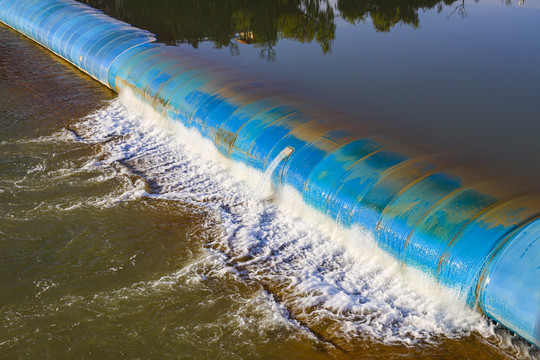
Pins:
x,y
475,236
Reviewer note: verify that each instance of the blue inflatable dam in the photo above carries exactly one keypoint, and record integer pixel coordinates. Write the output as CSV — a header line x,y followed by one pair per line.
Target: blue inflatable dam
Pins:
x,y
478,237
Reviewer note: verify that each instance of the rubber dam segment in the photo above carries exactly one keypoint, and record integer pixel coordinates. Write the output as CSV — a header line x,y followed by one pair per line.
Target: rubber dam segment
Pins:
x,y
478,237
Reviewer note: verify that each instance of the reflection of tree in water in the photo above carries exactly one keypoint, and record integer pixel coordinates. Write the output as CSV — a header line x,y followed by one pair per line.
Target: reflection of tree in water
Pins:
x,y
227,23
261,23
460,9
385,14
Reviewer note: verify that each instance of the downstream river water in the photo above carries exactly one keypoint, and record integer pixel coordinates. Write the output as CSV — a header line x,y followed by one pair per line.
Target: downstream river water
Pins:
x,y
125,236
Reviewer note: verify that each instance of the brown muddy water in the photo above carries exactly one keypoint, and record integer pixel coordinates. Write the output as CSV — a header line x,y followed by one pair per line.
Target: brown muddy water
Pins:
x,y
125,236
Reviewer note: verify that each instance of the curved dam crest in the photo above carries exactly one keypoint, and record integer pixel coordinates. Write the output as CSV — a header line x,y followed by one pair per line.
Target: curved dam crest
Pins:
x,y
479,237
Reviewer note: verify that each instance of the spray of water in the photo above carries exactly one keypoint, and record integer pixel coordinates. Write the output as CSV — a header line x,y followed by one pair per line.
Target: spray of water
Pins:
x,y
333,281
264,187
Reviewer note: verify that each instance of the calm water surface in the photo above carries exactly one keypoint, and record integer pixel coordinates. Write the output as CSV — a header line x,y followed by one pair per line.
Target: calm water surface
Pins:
x,y
121,239
457,77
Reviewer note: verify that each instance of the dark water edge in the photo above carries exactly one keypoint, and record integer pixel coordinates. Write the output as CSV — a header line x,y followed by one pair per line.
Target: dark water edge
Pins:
x,y
69,279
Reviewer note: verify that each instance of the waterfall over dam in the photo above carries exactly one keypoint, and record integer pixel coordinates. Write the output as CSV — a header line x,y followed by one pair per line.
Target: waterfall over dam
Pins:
x,y
479,237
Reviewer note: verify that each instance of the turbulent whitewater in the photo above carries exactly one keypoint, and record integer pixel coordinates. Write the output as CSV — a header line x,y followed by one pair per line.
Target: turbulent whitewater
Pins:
x,y
329,282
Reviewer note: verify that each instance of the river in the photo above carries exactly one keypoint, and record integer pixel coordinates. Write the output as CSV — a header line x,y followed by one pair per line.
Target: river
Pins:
x,y
126,236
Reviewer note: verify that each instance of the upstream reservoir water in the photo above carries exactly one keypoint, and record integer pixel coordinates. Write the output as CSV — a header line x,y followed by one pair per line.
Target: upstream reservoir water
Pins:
x,y
124,236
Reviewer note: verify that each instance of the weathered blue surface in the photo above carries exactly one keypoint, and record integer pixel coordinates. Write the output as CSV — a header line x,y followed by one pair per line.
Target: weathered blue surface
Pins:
x,y
509,289
477,237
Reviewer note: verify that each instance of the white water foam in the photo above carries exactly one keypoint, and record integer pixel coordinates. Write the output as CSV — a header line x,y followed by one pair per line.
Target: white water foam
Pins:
x,y
264,187
320,272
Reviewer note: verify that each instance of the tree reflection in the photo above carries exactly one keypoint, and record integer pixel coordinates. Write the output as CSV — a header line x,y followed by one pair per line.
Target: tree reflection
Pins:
x,y
385,14
226,23
460,9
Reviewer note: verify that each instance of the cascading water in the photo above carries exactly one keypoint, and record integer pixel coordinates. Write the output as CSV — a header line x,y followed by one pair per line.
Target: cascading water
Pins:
x,y
264,186
479,238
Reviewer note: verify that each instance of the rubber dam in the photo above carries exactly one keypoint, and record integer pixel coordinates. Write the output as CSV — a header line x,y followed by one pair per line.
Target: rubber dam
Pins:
x,y
479,237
